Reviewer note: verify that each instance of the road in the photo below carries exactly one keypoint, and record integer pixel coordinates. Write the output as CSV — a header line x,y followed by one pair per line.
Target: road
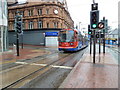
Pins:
x,y
47,71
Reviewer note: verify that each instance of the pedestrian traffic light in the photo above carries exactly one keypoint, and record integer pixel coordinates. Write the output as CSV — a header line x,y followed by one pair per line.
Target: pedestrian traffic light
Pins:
x,y
18,24
100,25
89,30
94,19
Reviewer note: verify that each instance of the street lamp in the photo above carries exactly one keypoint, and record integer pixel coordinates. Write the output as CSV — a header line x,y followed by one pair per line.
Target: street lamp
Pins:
x,y
79,25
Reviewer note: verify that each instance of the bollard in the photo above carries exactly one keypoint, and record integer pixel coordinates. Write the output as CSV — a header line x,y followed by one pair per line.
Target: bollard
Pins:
x,y
14,49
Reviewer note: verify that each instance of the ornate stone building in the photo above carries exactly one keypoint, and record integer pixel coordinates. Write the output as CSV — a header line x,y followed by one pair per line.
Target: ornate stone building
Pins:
x,y
42,14
41,18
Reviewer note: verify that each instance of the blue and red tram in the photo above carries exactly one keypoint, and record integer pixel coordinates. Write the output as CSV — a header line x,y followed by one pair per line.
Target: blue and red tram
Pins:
x,y
71,40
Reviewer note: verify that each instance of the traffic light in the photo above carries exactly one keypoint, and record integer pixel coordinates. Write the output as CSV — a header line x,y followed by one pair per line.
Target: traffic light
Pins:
x,y
94,19
18,24
89,30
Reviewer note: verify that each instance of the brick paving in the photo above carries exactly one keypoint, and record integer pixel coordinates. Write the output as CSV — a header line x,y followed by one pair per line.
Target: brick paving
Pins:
x,y
9,57
103,74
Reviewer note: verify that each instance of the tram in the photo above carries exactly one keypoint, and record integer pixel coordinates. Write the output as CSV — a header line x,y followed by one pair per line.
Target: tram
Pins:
x,y
71,40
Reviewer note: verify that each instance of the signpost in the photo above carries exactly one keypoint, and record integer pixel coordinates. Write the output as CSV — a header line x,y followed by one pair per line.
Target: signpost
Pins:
x,y
89,33
104,36
100,26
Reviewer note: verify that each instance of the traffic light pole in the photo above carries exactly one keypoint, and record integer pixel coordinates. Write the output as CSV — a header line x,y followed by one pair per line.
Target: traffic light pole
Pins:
x,y
93,1
99,42
94,47
17,43
22,41
104,41
104,36
90,45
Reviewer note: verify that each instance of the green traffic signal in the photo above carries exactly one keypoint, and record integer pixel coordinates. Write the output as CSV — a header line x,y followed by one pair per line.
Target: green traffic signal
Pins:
x,y
94,25
89,32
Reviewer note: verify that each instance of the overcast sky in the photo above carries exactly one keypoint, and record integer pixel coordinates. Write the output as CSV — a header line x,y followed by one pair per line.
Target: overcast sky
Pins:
x,y
80,11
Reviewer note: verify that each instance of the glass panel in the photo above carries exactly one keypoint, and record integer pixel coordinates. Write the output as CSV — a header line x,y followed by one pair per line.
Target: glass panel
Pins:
x,y
66,36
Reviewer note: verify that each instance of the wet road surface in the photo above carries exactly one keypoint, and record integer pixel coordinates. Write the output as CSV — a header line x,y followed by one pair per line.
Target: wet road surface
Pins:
x,y
53,67
55,76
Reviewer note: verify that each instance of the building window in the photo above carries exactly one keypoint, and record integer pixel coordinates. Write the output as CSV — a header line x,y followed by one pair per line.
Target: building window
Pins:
x,y
55,24
22,13
30,13
14,14
23,25
47,11
47,25
39,11
31,25
13,26
40,24
61,25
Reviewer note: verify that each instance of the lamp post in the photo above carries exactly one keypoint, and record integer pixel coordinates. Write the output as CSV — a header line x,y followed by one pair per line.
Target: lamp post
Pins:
x,y
79,25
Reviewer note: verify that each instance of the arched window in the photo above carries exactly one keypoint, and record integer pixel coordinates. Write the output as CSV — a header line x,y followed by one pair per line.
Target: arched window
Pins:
x,y
47,25
31,25
55,24
47,11
30,13
39,11
40,24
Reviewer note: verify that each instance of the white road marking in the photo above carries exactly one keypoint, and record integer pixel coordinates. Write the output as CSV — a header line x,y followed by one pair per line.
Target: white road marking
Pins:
x,y
64,67
21,62
39,64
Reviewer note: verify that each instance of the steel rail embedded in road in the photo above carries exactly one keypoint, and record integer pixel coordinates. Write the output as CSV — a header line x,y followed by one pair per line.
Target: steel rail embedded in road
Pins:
x,y
55,62
22,79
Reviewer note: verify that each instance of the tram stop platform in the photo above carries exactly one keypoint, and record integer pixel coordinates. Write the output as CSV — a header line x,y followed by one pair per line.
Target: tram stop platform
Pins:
x,y
103,74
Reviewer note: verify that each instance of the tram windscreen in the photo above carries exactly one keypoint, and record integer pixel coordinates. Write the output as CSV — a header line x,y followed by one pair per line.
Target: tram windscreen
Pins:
x,y
66,36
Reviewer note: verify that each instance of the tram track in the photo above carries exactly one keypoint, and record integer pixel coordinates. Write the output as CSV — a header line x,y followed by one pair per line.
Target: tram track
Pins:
x,y
15,65
47,67
39,72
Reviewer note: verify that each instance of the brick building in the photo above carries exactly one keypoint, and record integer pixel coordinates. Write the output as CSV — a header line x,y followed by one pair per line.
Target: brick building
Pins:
x,y
40,16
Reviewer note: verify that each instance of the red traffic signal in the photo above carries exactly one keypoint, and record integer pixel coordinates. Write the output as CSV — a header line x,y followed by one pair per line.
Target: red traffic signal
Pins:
x,y
100,25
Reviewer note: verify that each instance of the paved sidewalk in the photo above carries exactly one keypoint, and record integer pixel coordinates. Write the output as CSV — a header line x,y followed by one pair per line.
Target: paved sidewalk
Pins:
x,y
26,53
103,74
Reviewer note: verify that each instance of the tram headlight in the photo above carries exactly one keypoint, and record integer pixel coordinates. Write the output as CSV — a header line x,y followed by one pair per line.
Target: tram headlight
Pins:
x,y
71,43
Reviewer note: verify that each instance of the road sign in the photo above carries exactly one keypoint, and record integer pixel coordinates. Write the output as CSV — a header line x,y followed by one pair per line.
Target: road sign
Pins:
x,y
95,6
101,25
